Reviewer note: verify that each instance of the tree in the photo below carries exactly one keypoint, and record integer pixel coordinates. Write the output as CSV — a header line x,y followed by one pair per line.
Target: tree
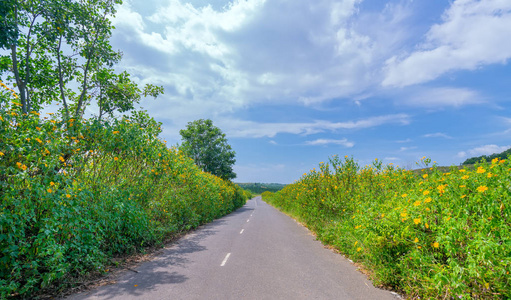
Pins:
x,y
60,51
208,147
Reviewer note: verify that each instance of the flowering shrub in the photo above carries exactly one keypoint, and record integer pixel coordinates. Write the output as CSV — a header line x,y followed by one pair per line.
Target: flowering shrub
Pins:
x,y
76,193
428,235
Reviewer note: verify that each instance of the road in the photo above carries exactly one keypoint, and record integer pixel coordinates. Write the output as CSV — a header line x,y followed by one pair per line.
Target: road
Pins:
x,y
254,253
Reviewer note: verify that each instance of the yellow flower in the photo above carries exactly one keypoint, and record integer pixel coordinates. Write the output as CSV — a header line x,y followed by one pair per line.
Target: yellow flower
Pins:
x,y
39,140
482,189
404,195
464,177
427,226
1,153
494,161
425,176
52,183
416,240
480,170
463,170
417,203
441,188
116,158
49,190
436,244
61,159
358,249
425,192
116,132
489,175
1,119
68,196
417,221
404,214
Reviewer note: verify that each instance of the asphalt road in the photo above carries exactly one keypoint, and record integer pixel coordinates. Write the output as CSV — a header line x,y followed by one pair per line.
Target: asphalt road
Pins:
x,y
254,253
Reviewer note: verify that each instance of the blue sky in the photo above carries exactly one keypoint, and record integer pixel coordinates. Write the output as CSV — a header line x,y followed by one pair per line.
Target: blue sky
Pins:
x,y
293,83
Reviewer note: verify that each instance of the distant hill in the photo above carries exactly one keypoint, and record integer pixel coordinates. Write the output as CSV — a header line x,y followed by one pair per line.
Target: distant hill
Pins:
x,y
488,158
259,188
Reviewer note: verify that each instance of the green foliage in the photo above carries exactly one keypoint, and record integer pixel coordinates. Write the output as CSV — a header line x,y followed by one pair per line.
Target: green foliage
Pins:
x,y
208,147
429,235
259,188
60,51
74,194
487,158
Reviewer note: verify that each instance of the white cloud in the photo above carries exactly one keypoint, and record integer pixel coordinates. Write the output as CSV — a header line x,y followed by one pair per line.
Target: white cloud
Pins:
x,y
441,97
241,128
473,33
254,51
342,142
483,150
437,135
404,141
403,149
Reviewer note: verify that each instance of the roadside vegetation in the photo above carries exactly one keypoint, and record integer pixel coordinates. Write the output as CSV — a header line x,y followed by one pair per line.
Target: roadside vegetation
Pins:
x,y
259,188
79,189
487,158
76,194
429,235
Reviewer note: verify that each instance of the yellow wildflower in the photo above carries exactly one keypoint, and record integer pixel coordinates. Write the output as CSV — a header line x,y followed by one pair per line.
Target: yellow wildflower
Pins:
x,y
116,132
427,200
427,226
416,221
416,240
482,189
61,159
49,190
1,153
116,158
465,177
417,203
425,192
436,244
52,183
358,249
68,196
480,170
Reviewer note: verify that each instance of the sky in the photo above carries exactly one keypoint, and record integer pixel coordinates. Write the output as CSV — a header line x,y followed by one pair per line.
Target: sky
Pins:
x,y
293,83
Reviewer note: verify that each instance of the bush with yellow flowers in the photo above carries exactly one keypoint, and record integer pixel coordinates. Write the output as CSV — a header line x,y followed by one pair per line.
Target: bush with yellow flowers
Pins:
x,y
75,193
427,233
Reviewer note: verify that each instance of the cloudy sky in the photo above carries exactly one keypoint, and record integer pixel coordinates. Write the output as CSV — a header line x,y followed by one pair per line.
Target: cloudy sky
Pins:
x,y
293,83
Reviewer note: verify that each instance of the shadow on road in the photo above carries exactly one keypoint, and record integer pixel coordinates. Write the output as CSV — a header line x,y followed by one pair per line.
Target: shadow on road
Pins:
x,y
156,272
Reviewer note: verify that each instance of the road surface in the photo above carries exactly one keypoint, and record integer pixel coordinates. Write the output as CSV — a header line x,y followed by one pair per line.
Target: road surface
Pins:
x,y
254,253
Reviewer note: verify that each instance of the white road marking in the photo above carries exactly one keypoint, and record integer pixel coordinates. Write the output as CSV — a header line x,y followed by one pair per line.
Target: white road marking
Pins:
x,y
225,259
242,231
248,220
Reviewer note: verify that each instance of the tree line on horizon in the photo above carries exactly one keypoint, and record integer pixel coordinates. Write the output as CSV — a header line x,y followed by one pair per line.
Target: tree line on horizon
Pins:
x,y
487,158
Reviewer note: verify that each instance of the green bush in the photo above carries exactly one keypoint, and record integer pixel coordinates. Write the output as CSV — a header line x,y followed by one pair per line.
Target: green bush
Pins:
x,y
75,194
429,235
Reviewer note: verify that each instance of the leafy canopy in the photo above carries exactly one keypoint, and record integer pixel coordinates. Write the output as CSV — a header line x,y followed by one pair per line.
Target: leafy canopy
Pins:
x,y
59,51
208,147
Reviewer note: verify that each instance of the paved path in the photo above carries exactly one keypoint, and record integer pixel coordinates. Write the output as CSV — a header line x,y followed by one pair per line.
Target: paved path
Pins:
x,y
254,253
